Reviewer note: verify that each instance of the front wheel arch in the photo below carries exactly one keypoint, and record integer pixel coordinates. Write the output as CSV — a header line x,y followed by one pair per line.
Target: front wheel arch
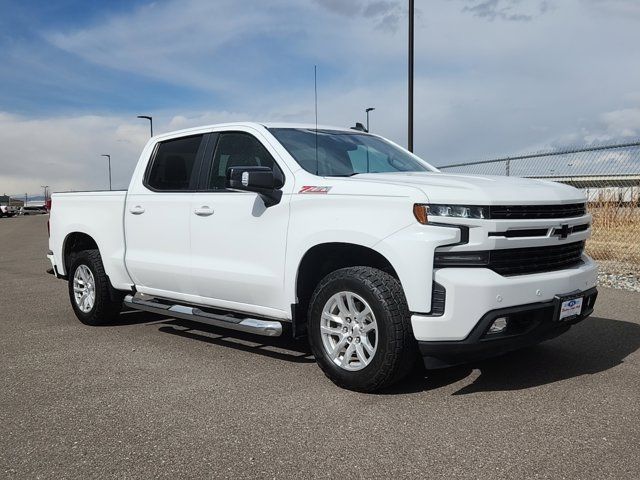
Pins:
x,y
322,259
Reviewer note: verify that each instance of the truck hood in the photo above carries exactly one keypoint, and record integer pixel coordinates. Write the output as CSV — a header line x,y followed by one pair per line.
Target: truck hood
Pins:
x,y
479,189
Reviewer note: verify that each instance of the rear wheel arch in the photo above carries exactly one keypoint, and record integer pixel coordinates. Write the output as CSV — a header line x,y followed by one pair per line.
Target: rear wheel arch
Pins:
x,y
73,243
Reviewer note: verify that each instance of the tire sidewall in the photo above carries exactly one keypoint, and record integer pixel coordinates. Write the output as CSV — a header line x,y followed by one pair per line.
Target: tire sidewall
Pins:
x,y
385,333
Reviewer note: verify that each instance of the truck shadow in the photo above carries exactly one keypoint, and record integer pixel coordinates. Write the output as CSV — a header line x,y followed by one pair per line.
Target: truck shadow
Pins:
x,y
593,346
281,348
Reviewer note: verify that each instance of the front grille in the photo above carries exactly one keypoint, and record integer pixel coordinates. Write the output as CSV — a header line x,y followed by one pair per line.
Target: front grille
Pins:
x,y
522,261
515,212
515,261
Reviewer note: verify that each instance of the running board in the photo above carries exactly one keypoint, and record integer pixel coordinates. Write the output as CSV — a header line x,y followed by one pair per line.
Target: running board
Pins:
x,y
269,328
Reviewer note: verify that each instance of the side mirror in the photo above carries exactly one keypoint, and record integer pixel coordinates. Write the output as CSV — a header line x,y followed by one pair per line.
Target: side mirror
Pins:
x,y
255,179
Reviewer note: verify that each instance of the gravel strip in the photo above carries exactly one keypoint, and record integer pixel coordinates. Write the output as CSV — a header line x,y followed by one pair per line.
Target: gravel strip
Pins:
x,y
624,276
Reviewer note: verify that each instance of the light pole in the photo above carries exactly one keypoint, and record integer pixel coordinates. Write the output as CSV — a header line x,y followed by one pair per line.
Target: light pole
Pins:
x,y
370,109
410,92
150,121
109,158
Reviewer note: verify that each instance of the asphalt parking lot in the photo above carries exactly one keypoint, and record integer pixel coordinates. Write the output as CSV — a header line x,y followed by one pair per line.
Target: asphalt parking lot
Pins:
x,y
156,397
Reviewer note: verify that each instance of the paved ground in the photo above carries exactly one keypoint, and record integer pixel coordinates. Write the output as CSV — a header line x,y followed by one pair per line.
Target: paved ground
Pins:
x,y
153,397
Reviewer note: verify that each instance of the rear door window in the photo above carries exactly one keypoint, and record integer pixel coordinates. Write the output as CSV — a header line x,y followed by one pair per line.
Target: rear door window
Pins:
x,y
172,168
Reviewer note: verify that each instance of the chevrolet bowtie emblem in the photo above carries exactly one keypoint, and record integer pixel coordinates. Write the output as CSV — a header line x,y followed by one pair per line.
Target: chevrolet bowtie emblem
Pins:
x,y
563,232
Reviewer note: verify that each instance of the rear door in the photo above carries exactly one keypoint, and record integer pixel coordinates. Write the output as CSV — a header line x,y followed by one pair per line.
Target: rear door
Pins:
x,y
238,245
157,218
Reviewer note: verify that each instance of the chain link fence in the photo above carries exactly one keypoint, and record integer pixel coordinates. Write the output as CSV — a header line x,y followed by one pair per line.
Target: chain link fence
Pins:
x,y
609,175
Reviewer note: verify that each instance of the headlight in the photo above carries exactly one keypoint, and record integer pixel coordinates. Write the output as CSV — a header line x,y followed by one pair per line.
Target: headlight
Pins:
x,y
422,212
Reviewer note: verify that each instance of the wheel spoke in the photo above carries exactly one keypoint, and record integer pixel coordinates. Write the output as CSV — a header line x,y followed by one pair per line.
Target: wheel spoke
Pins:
x,y
347,355
332,318
83,301
368,327
367,346
360,354
364,313
351,305
338,348
83,274
344,310
330,330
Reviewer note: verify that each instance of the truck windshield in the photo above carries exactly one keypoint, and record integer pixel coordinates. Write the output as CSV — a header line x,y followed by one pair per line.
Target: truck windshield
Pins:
x,y
342,154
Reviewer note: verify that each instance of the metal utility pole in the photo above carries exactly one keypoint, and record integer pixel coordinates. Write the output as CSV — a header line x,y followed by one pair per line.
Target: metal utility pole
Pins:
x,y
410,92
150,121
109,158
370,109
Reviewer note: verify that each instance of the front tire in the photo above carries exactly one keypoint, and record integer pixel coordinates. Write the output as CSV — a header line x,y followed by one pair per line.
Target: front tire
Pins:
x,y
93,299
360,329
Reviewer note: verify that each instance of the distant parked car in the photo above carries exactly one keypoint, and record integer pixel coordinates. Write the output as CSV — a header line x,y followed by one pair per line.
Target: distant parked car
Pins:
x,y
8,211
33,210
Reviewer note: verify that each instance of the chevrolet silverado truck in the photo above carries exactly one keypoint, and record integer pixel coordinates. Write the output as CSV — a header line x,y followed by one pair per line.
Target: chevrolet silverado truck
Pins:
x,y
336,235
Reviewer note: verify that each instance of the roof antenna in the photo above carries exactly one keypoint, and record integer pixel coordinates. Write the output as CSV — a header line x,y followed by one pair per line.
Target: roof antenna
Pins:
x,y
315,92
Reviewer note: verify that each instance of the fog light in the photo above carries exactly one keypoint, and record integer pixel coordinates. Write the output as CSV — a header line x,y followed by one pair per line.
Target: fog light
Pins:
x,y
499,325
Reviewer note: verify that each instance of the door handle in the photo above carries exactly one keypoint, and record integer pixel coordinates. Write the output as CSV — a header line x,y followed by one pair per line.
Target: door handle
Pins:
x,y
203,211
137,210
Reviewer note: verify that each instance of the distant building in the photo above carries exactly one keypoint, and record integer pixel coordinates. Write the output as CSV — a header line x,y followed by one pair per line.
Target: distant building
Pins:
x,y
623,188
7,200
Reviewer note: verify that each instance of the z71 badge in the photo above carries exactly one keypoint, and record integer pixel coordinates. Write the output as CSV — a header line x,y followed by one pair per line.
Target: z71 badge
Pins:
x,y
314,189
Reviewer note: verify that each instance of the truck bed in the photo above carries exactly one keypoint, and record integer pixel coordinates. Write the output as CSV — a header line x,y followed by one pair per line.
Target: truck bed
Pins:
x,y
99,215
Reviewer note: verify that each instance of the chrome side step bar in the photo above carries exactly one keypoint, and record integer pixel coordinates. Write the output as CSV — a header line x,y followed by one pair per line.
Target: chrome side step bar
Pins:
x,y
269,328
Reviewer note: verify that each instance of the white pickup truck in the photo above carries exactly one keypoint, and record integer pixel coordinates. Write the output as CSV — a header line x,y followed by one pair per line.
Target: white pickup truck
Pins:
x,y
334,234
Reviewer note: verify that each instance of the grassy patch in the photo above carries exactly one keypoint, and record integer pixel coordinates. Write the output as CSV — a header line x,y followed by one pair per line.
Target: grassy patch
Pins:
x,y
616,233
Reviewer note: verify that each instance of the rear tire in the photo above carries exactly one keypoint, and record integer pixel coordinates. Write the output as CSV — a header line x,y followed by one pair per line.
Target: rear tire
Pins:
x,y
358,350
93,299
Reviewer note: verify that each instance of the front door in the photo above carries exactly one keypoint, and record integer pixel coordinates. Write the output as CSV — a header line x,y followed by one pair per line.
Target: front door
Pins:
x,y
237,244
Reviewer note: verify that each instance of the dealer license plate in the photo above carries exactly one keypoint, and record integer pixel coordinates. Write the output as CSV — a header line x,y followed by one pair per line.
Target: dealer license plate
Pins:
x,y
570,308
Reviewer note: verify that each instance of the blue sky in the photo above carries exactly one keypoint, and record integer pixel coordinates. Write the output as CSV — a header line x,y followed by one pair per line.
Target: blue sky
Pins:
x,y
492,76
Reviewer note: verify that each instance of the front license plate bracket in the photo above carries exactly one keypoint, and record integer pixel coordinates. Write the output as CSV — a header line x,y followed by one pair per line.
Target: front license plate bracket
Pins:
x,y
569,306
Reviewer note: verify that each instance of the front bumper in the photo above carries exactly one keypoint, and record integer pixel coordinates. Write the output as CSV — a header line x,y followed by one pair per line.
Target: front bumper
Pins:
x,y
473,295
528,325
472,292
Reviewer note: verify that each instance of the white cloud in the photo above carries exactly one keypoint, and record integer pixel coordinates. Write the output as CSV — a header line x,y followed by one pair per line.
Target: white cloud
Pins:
x,y
615,7
624,123
172,41
510,10
64,152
